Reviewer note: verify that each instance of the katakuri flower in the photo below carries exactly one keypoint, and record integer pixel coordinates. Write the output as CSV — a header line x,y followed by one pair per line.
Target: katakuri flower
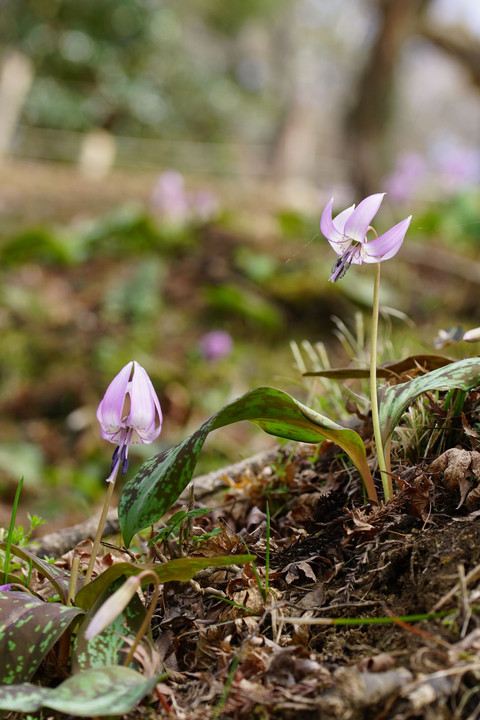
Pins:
x,y
216,345
347,234
129,413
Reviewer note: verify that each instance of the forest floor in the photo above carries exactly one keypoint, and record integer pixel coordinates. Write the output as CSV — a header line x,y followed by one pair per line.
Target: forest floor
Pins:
x,y
334,635
350,611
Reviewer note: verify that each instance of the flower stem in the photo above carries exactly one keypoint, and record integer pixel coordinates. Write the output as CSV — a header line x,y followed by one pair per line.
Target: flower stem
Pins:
x,y
101,522
386,480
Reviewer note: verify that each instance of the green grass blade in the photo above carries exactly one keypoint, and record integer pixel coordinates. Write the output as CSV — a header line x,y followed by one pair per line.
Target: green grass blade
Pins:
x,y
11,530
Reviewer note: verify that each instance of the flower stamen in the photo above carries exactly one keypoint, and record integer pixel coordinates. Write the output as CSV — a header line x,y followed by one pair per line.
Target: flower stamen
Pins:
x,y
342,263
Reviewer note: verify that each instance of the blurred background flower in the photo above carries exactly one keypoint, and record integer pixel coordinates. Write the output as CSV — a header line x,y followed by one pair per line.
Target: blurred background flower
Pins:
x,y
216,345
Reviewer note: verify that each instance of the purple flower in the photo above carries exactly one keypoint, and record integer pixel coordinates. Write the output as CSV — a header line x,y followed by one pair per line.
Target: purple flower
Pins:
x,y
129,413
404,181
172,201
169,197
216,345
5,588
347,234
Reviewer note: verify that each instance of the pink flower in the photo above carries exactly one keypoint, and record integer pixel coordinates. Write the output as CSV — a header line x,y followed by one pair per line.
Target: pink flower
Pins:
x,y
129,413
347,234
169,196
215,345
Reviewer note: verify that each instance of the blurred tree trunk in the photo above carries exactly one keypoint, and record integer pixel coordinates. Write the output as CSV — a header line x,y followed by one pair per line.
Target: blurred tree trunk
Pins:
x,y
16,76
460,46
293,152
368,118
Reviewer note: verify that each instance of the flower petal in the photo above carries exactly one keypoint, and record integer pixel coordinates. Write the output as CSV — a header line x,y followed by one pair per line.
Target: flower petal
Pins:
x,y
327,226
145,415
110,410
359,221
387,245
340,220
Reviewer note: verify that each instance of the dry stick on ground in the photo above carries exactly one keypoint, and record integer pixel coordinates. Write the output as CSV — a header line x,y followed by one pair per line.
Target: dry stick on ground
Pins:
x,y
470,577
57,543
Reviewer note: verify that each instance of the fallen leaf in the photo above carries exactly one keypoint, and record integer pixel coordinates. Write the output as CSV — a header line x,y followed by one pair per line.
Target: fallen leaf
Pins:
x,y
458,467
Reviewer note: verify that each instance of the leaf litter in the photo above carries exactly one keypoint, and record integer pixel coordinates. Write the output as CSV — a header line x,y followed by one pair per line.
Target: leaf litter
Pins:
x,y
366,612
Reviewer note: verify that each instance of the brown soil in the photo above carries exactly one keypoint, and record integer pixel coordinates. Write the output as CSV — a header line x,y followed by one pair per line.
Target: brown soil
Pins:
x,y
327,561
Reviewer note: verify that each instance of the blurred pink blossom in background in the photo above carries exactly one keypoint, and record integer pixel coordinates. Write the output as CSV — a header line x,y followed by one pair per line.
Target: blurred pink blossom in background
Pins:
x,y
404,181
174,203
216,345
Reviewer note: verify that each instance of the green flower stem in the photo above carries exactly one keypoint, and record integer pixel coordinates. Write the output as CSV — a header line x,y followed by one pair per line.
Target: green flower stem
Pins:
x,y
148,615
386,479
101,524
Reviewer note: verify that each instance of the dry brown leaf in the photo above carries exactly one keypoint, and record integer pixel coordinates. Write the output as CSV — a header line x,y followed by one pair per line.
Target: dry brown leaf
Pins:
x,y
458,467
313,599
294,570
473,435
299,569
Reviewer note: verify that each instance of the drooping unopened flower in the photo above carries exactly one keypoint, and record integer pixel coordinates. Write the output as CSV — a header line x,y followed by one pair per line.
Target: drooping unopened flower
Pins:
x,y
472,335
347,234
129,413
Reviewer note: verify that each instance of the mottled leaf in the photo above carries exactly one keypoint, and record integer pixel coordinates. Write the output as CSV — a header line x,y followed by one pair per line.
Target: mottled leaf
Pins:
x,y
161,479
462,375
29,628
108,647
413,363
100,692
181,570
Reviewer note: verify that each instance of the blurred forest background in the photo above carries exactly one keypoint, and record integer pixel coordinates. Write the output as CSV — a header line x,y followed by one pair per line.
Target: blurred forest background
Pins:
x,y
163,167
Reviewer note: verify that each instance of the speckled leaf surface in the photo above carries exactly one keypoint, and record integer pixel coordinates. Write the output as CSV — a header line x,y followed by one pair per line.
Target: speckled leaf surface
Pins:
x,y
180,570
29,628
108,647
394,400
113,690
161,479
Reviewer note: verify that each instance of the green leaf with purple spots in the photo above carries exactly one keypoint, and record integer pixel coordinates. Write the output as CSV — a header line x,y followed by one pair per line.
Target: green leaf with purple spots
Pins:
x,y
29,628
179,570
394,400
161,479
99,692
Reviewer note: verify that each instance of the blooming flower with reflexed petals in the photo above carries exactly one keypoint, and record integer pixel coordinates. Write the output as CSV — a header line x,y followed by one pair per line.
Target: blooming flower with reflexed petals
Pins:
x,y
129,413
347,234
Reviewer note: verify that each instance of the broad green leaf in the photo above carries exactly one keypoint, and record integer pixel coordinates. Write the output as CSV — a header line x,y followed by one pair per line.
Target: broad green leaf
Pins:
x,y
58,577
462,375
412,363
161,479
108,647
29,628
102,691
181,569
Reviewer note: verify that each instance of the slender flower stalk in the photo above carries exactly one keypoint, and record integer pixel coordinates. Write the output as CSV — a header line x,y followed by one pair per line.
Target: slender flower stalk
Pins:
x,y
347,235
377,433
129,414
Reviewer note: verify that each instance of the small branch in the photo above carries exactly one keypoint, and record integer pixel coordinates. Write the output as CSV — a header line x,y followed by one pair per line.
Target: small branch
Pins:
x,y
58,543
